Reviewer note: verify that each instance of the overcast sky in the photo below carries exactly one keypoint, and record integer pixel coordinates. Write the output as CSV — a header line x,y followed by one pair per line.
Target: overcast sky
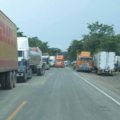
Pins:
x,y
60,21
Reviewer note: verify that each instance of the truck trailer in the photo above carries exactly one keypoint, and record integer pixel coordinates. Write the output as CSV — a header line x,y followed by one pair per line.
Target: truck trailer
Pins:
x,y
117,63
29,60
104,62
8,52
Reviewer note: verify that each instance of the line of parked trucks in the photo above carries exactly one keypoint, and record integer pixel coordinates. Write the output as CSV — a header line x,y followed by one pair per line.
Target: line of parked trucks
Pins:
x,y
102,62
18,61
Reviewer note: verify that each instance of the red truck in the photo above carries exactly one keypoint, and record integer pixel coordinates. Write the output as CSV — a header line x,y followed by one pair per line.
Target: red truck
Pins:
x,y
59,61
8,52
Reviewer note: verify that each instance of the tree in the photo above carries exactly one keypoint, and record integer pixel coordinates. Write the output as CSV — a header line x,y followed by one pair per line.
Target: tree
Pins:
x,y
100,29
20,34
54,51
36,42
76,46
101,37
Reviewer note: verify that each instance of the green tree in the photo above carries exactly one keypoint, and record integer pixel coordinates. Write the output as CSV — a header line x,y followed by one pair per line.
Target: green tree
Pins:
x,y
36,42
20,34
101,37
76,46
54,51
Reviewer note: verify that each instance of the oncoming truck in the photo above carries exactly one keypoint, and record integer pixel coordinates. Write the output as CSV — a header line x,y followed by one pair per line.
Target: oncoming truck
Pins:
x,y
84,61
8,52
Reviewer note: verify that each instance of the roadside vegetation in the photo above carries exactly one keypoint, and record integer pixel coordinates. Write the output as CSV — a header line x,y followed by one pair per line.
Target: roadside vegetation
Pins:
x,y
101,37
44,46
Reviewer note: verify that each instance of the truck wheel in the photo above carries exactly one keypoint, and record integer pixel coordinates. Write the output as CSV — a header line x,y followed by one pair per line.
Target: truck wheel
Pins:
x,y
14,79
24,79
42,71
9,80
30,74
98,72
3,83
77,69
38,72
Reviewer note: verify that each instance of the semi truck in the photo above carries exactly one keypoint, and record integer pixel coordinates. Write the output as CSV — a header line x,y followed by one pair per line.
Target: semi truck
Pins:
x,y
104,62
29,60
8,52
84,61
52,61
117,63
59,61
46,60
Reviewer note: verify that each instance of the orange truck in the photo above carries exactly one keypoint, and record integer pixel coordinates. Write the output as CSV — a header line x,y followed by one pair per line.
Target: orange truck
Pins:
x,y
84,61
8,52
59,61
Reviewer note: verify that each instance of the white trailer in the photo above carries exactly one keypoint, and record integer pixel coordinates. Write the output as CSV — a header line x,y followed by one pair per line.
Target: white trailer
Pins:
x,y
104,62
117,63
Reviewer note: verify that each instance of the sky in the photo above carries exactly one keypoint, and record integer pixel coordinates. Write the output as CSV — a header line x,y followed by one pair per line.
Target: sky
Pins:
x,y
58,22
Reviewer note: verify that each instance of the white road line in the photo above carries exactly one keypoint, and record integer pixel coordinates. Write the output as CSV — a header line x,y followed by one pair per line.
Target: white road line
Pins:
x,y
98,89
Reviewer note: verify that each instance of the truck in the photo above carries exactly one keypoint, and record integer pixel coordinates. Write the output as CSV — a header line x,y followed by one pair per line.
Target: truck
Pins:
x,y
8,52
52,61
104,62
84,62
46,60
117,63
29,60
59,61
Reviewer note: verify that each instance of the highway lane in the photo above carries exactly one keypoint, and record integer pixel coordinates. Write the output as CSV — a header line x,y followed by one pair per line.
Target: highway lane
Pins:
x,y
59,95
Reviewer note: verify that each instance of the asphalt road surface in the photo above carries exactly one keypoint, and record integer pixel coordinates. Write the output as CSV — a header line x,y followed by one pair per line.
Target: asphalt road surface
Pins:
x,y
62,94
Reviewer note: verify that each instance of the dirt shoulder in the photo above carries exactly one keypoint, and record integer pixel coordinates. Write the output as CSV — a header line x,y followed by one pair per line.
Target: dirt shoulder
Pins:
x,y
110,82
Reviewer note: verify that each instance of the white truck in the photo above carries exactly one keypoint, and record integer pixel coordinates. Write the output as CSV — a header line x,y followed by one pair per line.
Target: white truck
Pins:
x,y
46,60
29,60
117,63
8,52
52,61
104,62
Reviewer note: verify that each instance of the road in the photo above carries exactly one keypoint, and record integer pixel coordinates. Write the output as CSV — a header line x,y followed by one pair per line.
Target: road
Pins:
x,y
62,94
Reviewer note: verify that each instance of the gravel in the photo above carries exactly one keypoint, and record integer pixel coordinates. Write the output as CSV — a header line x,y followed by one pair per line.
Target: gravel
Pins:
x,y
110,82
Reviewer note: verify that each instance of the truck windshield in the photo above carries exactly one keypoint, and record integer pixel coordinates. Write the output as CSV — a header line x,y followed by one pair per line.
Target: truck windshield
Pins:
x,y
20,53
46,60
86,59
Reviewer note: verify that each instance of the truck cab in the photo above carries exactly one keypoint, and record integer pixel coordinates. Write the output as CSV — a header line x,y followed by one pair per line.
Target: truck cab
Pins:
x,y
84,62
24,70
46,62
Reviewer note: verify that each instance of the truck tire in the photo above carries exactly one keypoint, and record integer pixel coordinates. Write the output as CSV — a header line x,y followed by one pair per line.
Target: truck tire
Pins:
x,y
42,71
30,74
24,79
9,80
14,79
3,82
98,72
38,72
